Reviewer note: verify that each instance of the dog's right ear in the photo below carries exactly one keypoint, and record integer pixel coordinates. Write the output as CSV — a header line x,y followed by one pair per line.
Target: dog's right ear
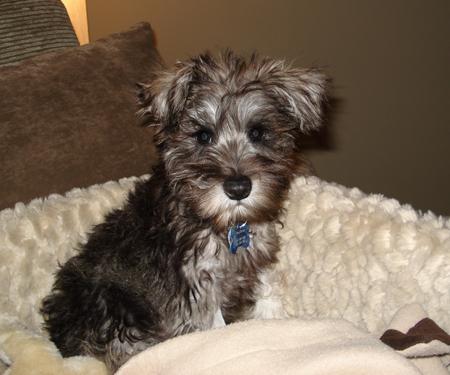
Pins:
x,y
163,99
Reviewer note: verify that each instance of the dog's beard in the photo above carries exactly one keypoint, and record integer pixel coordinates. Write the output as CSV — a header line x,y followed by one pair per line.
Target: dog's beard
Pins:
x,y
262,205
200,186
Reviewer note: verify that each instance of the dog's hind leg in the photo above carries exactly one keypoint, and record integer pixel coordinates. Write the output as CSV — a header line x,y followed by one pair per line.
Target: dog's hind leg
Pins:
x,y
126,328
101,319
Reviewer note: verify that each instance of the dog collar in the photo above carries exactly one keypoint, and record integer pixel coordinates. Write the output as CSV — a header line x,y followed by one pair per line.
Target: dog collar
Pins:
x,y
239,237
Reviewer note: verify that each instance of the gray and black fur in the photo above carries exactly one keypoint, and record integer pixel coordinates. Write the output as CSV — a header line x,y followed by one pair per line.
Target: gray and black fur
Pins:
x,y
228,134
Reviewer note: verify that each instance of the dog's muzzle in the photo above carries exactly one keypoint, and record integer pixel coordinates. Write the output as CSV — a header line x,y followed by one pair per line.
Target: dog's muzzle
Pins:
x,y
237,187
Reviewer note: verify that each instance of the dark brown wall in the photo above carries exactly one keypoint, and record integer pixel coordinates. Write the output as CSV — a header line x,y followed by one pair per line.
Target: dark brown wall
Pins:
x,y
390,61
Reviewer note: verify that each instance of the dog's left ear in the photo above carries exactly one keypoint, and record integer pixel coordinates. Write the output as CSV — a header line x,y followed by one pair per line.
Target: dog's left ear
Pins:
x,y
163,98
302,94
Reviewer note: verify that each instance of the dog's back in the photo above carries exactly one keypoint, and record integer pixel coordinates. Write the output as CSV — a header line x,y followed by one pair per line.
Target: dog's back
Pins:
x,y
117,291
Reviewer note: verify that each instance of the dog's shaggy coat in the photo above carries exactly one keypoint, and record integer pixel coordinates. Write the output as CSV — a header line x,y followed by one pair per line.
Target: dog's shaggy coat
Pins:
x,y
227,132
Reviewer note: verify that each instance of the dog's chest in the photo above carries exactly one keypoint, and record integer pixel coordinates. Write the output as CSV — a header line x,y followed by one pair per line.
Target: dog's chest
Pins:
x,y
212,269
204,270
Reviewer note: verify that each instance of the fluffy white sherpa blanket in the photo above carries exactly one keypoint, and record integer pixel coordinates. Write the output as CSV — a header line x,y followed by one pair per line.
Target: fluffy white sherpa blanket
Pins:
x,y
360,257
344,254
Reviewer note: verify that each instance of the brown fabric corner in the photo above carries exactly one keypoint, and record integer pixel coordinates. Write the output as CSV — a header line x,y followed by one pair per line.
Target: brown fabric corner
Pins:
x,y
424,331
67,118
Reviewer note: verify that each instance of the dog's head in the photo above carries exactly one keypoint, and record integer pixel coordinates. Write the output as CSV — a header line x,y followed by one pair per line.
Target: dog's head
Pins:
x,y
228,132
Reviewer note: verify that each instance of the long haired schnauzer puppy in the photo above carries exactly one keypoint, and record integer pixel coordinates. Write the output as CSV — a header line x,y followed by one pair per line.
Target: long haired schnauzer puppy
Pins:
x,y
191,241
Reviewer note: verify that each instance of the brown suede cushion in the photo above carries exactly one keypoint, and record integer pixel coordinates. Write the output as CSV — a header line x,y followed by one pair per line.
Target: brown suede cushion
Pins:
x,y
67,119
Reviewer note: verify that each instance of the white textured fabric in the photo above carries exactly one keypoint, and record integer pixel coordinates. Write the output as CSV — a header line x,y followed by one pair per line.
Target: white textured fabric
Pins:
x,y
344,254
360,257
34,238
33,354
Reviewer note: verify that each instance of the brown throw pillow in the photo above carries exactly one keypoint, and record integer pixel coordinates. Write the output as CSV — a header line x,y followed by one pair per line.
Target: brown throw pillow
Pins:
x,y
67,119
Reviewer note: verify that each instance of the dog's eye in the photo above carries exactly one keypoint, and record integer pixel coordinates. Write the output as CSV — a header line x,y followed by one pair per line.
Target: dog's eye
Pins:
x,y
204,136
256,133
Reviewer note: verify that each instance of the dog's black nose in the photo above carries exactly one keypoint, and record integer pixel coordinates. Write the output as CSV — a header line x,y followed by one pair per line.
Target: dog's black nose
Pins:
x,y
237,187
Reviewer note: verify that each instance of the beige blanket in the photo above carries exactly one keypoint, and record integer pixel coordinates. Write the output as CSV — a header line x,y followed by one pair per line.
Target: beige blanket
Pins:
x,y
317,347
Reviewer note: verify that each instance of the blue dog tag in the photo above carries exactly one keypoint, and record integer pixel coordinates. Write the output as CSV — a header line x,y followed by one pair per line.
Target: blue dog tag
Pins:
x,y
238,236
